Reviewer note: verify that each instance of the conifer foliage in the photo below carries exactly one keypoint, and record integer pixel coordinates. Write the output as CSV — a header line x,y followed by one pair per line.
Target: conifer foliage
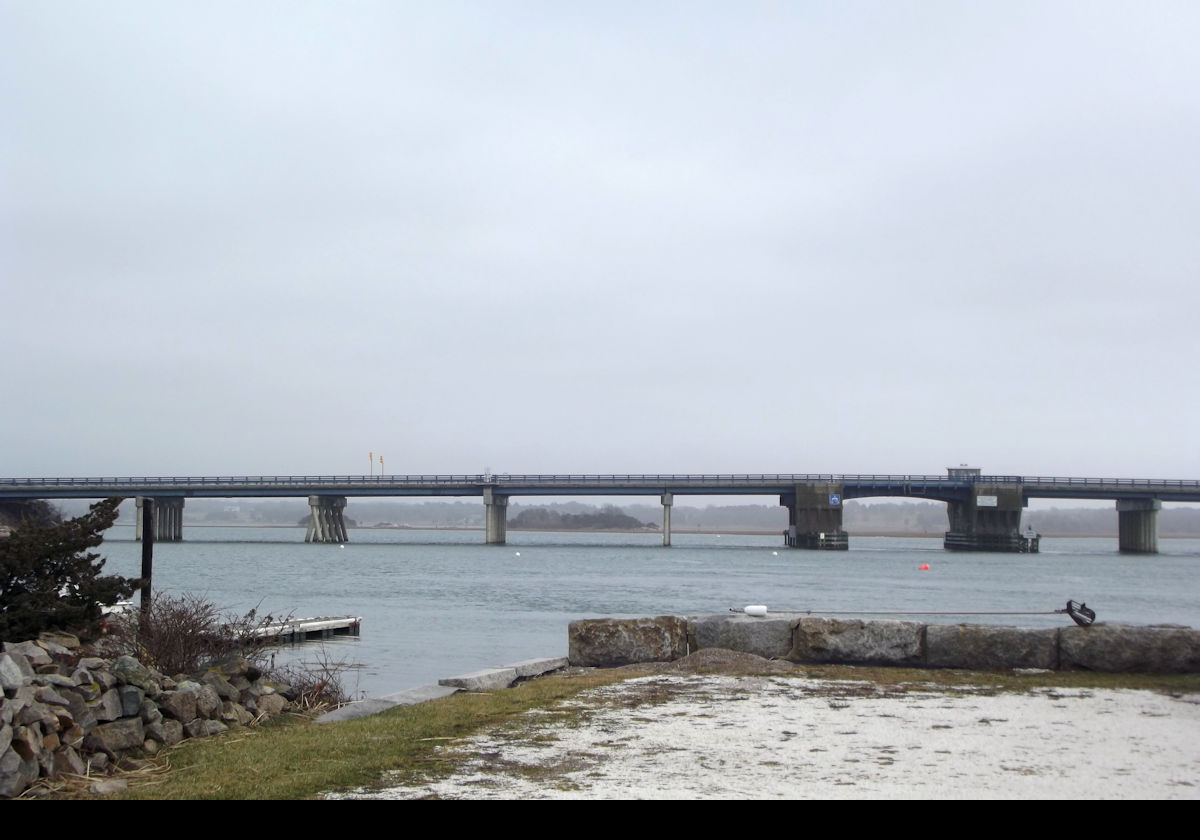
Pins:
x,y
49,580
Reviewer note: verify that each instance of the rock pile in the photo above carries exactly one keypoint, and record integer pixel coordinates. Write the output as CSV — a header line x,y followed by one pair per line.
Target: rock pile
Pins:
x,y
65,712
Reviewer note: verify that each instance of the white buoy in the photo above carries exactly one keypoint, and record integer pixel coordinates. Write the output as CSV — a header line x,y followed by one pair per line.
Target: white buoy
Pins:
x,y
774,553
518,554
756,610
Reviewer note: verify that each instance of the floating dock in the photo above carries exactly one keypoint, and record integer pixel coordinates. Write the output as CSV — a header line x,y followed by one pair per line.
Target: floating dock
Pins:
x,y
308,629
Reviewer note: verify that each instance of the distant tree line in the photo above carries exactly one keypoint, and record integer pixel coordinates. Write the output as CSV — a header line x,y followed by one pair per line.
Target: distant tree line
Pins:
x,y
608,518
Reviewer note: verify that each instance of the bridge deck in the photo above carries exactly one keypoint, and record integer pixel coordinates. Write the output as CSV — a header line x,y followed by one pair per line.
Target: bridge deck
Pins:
x,y
939,487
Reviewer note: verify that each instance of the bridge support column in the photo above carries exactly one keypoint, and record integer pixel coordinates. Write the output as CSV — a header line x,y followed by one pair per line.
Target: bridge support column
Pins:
x,y
168,519
815,517
141,517
496,518
1137,525
327,525
988,520
668,499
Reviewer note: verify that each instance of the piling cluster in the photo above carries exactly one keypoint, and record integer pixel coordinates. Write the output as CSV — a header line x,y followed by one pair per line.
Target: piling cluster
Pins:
x,y
67,713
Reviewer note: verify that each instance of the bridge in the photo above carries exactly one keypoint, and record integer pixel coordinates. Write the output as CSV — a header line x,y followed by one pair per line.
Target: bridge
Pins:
x,y
984,511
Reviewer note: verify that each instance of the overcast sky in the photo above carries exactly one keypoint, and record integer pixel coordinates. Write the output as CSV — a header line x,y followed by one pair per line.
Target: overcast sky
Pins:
x,y
272,237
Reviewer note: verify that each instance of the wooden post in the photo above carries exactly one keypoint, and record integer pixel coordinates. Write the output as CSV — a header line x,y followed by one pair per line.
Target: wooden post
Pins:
x,y
147,554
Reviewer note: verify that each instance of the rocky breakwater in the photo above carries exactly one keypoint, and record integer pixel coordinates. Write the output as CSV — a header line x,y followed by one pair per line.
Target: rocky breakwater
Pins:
x,y
66,712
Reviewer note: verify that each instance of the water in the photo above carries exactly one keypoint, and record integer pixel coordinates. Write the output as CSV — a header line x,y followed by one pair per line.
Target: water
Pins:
x,y
438,603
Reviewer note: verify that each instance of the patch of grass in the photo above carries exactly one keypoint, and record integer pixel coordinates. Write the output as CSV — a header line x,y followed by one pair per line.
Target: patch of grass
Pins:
x,y
297,759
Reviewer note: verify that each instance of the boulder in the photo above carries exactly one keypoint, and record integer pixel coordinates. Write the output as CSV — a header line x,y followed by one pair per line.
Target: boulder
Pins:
x,y
208,704
53,648
220,685
40,715
32,651
15,671
98,764
67,760
131,700
149,712
16,773
129,671
769,637
234,714
53,697
1126,647
80,711
607,642
124,734
104,679
179,705
108,707
200,728
983,647
55,679
27,741
172,732
72,736
53,639
271,704
852,641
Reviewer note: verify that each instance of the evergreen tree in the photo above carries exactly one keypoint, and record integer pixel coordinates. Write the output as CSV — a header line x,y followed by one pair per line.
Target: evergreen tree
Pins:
x,y
50,581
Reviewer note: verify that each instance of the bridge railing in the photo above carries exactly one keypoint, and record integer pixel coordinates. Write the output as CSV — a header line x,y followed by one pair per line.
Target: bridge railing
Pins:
x,y
1068,481
649,480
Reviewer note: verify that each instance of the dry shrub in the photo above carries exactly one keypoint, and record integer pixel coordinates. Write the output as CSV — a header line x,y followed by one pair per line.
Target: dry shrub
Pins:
x,y
319,682
181,634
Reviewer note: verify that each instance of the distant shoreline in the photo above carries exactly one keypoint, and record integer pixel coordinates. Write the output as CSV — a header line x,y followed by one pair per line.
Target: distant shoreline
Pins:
x,y
711,531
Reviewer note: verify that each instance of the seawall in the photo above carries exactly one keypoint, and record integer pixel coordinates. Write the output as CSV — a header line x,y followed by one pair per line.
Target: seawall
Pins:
x,y
606,642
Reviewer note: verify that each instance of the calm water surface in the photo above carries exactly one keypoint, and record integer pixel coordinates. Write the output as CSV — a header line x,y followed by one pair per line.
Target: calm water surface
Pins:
x,y
438,603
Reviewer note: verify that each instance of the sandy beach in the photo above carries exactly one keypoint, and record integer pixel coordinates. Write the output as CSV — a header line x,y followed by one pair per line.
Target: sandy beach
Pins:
x,y
695,736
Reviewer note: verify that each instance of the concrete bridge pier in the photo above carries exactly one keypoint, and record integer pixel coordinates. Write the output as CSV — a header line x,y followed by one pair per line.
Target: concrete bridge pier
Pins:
x,y
667,500
988,520
168,518
496,518
815,517
328,525
1137,525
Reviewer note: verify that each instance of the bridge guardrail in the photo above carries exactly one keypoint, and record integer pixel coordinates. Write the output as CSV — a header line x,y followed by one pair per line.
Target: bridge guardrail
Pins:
x,y
598,480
